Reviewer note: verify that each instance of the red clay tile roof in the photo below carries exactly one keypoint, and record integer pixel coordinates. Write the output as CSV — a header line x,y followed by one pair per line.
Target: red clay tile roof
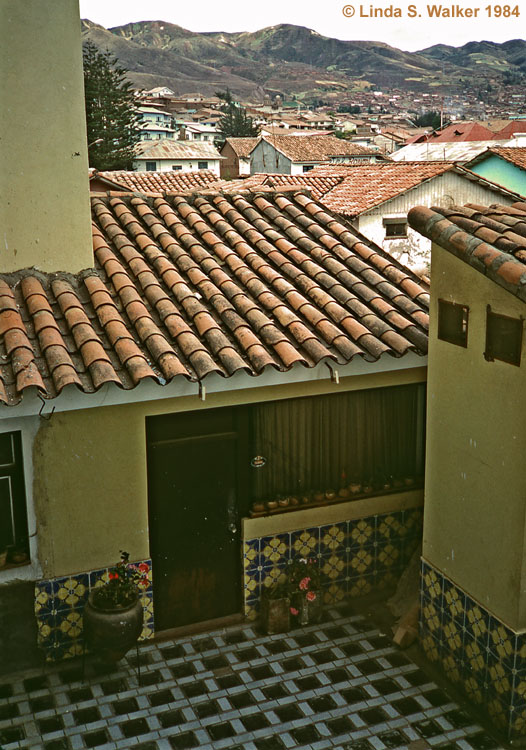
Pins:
x,y
350,190
160,182
207,282
516,126
492,239
462,131
242,146
299,148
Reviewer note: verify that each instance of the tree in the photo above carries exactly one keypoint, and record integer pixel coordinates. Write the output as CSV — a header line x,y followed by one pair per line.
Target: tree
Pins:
x,y
235,123
428,119
112,121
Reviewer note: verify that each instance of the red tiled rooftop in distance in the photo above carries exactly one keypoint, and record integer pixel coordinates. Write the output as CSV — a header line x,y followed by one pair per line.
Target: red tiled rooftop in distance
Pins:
x,y
315,147
207,282
463,131
160,182
242,146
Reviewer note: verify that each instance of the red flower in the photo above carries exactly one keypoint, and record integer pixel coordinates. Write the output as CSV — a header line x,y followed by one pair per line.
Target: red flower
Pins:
x,y
294,611
144,567
304,584
113,576
310,596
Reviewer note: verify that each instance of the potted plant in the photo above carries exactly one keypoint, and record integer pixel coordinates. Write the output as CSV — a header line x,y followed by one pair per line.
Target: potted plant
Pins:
x,y
275,609
304,591
113,615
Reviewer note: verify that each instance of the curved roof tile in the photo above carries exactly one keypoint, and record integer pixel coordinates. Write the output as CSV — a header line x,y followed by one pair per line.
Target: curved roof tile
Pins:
x,y
209,282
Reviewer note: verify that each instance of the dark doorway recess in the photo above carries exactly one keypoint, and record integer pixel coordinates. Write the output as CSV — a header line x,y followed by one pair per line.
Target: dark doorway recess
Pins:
x,y
197,493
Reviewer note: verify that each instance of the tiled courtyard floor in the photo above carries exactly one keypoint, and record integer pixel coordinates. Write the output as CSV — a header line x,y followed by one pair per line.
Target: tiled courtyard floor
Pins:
x,y
339,684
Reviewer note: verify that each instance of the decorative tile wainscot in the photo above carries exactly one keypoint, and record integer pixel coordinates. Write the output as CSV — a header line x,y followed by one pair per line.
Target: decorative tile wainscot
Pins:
x,y
477,652
59,603
360,545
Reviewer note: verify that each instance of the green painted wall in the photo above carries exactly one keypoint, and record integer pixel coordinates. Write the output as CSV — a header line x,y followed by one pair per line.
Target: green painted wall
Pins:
x,y
503,173
475,497
90,488
44,212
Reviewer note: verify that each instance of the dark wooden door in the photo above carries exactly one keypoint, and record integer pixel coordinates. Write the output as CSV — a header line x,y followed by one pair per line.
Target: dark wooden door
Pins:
x,y
195,481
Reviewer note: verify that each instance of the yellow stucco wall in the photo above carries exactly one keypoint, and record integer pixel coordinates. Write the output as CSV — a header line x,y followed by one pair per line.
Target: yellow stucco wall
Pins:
x,y
44,212
475,497
90,489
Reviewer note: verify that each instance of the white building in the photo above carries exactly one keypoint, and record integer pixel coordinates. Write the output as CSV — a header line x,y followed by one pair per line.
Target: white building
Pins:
x,y
165,155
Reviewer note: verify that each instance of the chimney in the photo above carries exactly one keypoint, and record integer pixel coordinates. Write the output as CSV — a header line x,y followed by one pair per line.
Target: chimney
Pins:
x,y
45,212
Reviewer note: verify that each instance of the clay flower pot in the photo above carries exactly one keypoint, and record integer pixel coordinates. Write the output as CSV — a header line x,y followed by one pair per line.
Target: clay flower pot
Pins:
x,y
112,632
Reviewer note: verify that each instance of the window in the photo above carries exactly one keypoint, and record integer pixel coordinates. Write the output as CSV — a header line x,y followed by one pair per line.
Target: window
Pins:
x,y
202,165
13,516
395,228
151,166
308,167
176,167
453,322
503,338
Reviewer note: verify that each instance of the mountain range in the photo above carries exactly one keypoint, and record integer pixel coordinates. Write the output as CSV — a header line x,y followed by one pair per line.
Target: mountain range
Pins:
x,y
296,61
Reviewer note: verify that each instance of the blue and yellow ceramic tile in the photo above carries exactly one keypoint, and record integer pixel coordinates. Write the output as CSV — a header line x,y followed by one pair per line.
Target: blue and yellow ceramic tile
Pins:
x,y
476,620
451,666
431,617
452,602
251,558
332,569
333,539
390,528
387,556
520,652
71,592
273,576
498,712
431,647
305,543
274,550
362,561
432,584
361,532
501,642
44,599
473,689
452,638
335,593
475,659
360,585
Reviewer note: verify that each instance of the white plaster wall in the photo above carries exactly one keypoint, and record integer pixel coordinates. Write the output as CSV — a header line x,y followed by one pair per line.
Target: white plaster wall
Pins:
x,y
446,190
188,165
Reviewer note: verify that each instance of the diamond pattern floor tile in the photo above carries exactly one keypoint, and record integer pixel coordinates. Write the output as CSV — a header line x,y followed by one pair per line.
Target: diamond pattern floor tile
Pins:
x,y
340,685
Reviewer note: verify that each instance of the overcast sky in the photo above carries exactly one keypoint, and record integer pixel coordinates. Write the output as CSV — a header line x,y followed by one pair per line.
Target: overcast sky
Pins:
x,y
324,16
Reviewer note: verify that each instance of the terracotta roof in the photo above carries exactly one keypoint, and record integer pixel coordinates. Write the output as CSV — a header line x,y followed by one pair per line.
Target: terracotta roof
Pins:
x,y
350,190
168,148
515,126
242,146
462,131
315,147
492,239
199,283
160,182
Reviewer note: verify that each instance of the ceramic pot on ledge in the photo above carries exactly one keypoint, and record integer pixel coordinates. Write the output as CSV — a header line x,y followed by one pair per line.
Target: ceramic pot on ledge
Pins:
x,y
112,632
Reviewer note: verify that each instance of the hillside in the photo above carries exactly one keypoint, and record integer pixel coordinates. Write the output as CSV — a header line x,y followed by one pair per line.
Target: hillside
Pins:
x,y
294,60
